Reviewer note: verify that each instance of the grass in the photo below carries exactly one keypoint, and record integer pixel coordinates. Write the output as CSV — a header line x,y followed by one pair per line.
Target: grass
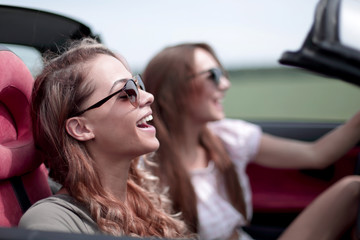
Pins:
x,y
289,94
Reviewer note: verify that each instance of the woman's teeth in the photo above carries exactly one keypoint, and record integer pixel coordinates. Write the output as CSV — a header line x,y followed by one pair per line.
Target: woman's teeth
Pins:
x,y
144,120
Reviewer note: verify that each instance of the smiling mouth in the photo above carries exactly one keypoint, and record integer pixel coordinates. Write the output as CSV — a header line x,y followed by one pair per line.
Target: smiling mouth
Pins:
x,y
219,100
142,123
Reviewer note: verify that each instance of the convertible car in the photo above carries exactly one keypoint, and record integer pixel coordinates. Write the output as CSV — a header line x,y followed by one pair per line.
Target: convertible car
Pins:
x,y
331,50
278,195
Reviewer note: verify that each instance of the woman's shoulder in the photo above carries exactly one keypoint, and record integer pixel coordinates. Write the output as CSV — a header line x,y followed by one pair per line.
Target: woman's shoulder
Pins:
x,y
58,201
241,138
58,213
234,128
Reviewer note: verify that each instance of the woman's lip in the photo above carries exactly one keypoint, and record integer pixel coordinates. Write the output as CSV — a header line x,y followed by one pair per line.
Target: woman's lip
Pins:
x,y
148,128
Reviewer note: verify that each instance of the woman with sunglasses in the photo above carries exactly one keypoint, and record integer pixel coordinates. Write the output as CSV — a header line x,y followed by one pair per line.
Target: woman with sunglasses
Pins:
x,y
202,156
90,120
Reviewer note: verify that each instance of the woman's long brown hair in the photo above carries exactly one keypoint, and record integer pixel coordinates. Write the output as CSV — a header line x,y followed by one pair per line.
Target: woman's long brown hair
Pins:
x,y
58,92
167,77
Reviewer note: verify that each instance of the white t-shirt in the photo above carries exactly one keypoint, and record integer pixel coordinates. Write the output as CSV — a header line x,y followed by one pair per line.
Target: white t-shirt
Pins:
x,y
217,217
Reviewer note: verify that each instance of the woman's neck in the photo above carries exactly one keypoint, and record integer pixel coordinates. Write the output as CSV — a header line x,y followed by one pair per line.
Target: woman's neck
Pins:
x,y
113,173
192,153
114,179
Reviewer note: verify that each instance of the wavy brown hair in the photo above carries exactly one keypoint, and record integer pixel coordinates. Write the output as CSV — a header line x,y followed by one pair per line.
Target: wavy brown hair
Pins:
x,y
58,92
167,78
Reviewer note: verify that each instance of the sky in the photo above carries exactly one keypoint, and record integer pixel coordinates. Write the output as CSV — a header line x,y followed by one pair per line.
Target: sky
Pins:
x,y
244,33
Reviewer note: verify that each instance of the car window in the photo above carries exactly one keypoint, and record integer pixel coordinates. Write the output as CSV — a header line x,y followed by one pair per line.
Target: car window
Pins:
x,y
289,94
29,55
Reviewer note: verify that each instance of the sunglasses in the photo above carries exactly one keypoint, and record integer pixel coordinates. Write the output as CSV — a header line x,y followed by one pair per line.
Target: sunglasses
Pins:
x,y
215,74
131,92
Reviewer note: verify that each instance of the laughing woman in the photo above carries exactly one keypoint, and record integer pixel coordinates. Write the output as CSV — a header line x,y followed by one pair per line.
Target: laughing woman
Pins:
x,y
90,121
203,156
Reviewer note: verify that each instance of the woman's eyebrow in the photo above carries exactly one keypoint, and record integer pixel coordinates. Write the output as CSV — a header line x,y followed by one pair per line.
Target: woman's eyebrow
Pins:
x,y
117,82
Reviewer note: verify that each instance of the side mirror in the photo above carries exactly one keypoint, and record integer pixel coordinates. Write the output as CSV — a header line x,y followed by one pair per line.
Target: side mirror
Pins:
x,y
332,46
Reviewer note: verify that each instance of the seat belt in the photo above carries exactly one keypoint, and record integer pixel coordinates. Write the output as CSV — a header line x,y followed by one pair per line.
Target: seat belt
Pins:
x,y
20,193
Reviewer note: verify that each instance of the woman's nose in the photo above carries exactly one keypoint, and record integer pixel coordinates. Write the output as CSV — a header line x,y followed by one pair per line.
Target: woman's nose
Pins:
x,y
224,83
146,98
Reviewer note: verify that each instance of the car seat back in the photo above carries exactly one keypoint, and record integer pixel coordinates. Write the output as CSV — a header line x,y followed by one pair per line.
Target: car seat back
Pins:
x,y
23,177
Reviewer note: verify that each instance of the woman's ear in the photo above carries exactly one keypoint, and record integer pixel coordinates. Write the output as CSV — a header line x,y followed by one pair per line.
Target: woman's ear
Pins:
x,y
78,129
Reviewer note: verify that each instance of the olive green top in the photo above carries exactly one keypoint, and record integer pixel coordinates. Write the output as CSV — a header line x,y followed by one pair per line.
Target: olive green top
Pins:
x,y
60,213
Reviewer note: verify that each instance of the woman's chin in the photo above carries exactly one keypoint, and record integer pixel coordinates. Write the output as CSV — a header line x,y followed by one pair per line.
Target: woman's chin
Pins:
x,y
152,146
219,115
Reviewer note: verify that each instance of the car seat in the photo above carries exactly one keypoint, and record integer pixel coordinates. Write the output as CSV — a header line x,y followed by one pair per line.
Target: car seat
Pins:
x,y
23,176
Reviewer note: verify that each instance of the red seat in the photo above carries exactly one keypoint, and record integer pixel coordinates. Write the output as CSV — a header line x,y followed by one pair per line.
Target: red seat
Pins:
x,y
23,177
290,191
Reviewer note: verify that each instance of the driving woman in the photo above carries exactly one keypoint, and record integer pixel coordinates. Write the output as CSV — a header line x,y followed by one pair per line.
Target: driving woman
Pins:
x,y
203,156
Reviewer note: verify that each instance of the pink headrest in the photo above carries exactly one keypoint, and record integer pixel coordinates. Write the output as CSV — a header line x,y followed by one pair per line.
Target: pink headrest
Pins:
x,y
17,151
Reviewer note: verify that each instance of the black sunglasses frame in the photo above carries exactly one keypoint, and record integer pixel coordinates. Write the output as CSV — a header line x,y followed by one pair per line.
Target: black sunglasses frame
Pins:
x,y
216,74
138,85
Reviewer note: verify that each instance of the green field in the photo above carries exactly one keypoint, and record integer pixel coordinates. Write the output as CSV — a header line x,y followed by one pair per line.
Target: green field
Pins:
x,y
289,94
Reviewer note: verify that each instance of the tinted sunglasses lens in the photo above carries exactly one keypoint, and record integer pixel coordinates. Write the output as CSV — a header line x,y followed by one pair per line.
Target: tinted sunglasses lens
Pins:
x,y
140,82
216,74
132,92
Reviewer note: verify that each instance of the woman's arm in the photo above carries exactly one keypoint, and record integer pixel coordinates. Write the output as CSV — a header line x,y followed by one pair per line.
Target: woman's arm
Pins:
x,y
287,153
